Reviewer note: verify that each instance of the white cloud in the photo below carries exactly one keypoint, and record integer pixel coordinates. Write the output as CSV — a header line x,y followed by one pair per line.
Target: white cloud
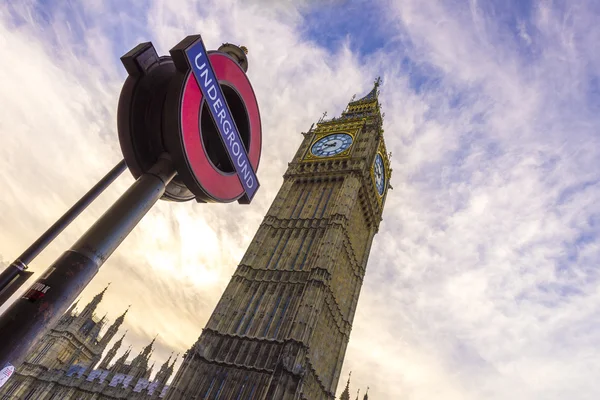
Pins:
x,y
482,281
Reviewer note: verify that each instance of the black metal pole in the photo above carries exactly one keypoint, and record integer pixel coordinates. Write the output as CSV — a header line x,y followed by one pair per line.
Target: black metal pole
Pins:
x,y
14,285
7,277
49,297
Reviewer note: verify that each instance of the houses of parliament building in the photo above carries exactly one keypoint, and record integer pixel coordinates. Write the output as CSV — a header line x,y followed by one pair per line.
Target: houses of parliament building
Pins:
x,y
281,328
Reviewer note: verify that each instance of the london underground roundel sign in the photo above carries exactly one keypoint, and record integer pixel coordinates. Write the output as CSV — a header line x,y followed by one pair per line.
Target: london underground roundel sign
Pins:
x,y
199,108
218,142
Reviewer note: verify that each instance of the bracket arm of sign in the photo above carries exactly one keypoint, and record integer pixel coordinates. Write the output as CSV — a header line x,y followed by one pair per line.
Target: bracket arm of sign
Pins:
x,y
191,53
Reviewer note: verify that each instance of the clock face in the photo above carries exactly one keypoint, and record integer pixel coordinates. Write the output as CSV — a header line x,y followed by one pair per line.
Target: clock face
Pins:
x,y
331,145
379,174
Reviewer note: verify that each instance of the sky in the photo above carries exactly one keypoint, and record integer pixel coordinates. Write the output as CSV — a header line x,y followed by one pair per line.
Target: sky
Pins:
x,y
482,282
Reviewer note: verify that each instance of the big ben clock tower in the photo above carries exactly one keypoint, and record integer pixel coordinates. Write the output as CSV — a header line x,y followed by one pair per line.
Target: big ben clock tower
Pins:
x,y
281,328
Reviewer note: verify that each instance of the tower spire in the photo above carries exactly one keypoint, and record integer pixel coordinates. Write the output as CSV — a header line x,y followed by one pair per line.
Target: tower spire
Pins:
x,y
112,330
174,361
148,349
346,393
89,309
169,359
366,394
121,317
123,358
112,353
149,371
144,356
373,94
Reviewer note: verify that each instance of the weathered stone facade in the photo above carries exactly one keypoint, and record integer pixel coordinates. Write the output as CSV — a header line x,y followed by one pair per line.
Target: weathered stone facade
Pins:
x,y
61,365
281,328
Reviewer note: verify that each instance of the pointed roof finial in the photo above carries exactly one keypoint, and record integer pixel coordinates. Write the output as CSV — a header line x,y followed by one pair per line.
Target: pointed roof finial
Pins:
x,y
346,393
372,95
366,394
323,117
105,289
120,319
148,349
174,361
97,298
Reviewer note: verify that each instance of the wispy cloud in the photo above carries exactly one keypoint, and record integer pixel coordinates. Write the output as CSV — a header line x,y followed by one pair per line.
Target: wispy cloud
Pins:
x,y
482,282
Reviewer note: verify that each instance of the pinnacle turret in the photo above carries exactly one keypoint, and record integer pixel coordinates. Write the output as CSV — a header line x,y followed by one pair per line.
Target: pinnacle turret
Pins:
x,y
112,353
98,298
89,309
144,356
121,317
346,393
166,370
149,371
112,330
372,95
367,108
149,349
123,358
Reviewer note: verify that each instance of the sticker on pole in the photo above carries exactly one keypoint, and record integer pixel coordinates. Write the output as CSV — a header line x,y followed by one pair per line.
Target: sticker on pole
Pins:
x,y
6,373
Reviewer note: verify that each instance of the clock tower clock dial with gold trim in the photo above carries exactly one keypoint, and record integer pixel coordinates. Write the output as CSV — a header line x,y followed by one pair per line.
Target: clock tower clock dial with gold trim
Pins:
x,y
331,145
379,174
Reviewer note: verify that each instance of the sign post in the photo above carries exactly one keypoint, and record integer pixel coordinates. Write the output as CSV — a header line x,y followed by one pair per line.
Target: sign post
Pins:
x,y
48,298
16,274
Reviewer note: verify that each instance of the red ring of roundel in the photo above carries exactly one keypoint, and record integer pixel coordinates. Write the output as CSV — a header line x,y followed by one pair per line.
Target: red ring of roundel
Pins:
x,y
220,187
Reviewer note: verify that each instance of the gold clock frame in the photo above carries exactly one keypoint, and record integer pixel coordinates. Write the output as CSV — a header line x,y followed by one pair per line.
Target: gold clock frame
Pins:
x,y
386,170
344,154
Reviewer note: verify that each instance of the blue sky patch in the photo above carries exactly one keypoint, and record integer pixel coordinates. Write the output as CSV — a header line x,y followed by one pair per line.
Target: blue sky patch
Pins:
x,y
360,21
